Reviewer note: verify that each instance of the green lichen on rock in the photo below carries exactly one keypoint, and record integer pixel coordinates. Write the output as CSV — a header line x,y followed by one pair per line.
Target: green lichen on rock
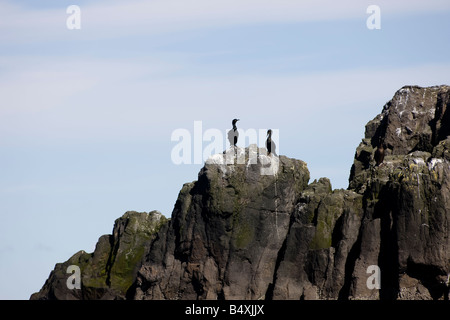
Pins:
x,y
323,208
243,235
110,270
238,191
130,245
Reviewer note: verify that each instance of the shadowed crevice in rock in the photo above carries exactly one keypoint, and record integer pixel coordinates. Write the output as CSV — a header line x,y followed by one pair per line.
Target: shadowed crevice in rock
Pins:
x,y
388,256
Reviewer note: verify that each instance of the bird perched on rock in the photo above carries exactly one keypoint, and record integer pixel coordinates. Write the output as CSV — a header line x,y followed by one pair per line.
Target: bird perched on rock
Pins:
x,y
270,145
379,153
233,134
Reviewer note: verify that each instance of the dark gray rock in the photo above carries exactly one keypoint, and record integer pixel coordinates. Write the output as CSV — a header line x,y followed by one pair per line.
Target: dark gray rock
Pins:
x,y
406,199
416,119
251,227
226,231
323,231
110,271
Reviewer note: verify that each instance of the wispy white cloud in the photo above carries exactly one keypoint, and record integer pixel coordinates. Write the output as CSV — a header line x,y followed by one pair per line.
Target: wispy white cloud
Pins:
x,y
35,83
112,19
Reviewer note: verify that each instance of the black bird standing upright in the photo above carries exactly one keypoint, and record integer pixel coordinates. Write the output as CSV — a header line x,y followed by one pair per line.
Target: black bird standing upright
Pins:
x,y
270,145
233,134
379,153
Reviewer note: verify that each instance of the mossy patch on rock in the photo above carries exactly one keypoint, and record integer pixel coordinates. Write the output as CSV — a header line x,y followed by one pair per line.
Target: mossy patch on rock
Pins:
x,y
110,270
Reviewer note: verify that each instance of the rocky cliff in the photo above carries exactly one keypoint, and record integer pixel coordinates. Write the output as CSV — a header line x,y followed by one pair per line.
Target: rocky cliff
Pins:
x,y
111,269
255,228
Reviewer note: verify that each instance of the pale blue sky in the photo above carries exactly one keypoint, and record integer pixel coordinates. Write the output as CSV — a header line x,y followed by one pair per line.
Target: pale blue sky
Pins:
x,y
86,115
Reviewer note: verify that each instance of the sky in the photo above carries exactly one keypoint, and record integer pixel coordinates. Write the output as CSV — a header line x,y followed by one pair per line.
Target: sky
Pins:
x,y
87,115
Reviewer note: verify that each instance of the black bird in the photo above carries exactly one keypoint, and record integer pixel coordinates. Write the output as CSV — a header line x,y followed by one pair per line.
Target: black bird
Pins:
x,y
270,145
233,134
379,153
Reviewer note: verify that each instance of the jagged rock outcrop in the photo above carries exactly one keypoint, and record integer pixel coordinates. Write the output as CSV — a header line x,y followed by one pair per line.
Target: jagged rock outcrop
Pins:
x,y
251,227
226,231
407,198
324,230
111,269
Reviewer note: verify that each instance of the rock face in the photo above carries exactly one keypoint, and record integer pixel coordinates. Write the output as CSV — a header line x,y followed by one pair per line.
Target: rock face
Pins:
x,y
111,269
406,199
226,232
251,227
